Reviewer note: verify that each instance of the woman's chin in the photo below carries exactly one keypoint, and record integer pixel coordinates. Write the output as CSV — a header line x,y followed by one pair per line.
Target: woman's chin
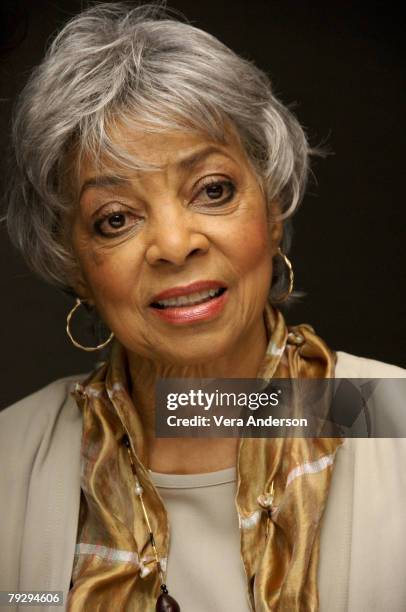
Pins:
x,y
197,352
191,357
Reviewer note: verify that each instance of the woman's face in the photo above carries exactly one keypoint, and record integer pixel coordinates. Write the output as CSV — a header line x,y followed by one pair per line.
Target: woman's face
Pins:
x,y
152,244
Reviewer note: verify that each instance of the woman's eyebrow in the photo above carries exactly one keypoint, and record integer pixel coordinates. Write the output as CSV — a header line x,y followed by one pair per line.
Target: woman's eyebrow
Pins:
x,y
190,161
103,180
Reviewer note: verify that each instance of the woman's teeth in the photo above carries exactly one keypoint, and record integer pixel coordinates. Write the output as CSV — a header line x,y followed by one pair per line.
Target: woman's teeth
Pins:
x,y
189,300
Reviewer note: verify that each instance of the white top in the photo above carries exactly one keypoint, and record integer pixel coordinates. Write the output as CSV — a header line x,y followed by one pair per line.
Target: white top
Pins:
x,y
205,570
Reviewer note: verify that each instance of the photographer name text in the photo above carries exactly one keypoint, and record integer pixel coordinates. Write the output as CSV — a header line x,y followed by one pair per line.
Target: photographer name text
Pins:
x,y
221,421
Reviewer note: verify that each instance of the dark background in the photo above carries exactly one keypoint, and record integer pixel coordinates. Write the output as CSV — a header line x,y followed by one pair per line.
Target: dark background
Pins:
x,y
339,64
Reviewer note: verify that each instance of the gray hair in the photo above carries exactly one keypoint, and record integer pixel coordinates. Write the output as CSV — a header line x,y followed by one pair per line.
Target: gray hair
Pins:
x,y
140,66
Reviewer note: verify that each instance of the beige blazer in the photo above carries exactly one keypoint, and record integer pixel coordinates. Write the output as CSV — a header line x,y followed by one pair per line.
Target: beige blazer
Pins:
x,y
363,536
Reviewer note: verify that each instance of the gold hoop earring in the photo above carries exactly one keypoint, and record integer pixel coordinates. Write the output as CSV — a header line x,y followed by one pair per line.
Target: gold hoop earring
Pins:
x,y
287,293
79,302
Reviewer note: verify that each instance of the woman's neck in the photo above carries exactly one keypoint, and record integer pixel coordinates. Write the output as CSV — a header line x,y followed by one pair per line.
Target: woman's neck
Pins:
x,y
192,455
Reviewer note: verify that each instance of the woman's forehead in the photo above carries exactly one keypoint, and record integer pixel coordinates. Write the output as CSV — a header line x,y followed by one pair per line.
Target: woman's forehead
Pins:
x,y
139,151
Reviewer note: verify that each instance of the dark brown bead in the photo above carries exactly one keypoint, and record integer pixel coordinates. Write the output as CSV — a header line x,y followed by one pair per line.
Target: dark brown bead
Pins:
x,y
166,603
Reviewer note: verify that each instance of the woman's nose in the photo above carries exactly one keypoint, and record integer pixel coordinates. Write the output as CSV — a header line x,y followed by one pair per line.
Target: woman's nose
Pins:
x,y
174,238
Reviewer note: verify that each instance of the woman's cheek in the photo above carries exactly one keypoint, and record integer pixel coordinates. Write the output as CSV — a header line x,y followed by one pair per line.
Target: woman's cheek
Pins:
x,y
252,244
109,275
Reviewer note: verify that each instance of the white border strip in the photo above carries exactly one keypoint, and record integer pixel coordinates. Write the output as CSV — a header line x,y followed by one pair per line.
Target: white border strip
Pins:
x,y
114,555
310,468
248,522
274,350
110,554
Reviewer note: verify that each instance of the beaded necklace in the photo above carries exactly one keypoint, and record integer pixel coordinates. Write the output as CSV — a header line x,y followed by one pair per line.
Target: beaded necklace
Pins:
x,y
165,603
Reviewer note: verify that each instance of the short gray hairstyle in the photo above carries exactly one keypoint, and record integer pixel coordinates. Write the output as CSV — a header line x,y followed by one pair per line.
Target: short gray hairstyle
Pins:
x,y
142,66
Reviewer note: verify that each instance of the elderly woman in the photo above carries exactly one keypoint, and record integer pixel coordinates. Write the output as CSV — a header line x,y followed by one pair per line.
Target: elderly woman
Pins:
x,y
154,172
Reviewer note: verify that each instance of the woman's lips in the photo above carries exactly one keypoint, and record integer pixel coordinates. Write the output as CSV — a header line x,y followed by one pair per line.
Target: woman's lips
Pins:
x,y
190,313
195,287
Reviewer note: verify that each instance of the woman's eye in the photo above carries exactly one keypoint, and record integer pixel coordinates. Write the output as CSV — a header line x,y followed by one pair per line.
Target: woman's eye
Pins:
x,y
111,223
117,220
216,192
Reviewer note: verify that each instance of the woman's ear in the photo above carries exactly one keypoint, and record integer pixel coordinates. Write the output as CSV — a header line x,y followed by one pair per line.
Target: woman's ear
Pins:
x,y
275,226
81,287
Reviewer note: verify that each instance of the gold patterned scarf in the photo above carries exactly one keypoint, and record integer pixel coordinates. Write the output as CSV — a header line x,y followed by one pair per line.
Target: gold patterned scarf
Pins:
x,y
115,568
